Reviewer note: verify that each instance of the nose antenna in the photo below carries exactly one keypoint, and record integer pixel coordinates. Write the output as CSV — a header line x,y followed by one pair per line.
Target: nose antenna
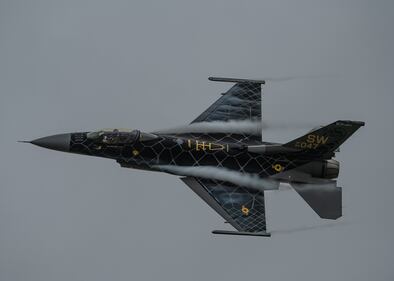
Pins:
x,y
24,141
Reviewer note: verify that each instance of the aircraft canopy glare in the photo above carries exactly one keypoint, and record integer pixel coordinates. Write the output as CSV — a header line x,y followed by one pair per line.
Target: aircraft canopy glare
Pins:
x,y
108,130
119,136
114,136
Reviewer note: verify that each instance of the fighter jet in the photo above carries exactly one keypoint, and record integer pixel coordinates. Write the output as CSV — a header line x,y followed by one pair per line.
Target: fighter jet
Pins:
x,y
222,158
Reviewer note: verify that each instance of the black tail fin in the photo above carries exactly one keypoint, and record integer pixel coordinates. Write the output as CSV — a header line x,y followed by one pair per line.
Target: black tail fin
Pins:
x,y
325,140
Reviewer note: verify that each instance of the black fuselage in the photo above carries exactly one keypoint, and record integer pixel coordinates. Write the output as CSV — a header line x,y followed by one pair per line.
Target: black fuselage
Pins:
x,y
169,150
158,152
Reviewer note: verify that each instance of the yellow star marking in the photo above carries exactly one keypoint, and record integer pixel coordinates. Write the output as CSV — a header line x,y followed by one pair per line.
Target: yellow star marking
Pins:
x,y
277,167
135,152
245,210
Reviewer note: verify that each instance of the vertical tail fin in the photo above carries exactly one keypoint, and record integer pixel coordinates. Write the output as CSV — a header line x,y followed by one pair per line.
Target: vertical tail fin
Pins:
x,y
325,140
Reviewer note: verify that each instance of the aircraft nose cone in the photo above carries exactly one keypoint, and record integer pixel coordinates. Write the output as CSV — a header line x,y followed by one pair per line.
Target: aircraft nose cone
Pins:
x,y
59,142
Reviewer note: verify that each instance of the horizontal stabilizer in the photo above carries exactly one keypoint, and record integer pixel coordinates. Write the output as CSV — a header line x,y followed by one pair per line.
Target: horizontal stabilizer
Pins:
x,y
325,199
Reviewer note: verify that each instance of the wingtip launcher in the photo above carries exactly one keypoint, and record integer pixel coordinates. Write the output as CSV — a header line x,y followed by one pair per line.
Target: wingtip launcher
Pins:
x,y
236,80
242,233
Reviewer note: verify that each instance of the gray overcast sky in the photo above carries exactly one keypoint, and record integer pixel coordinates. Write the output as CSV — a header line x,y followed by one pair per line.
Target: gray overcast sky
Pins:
x,y
81,65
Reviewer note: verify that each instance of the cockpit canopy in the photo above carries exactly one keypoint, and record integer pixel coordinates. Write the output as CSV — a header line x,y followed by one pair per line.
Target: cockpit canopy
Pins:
x,y
119,136
114,136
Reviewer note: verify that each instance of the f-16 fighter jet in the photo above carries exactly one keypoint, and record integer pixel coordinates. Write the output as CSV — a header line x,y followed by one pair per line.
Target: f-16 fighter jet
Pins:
x,y
222,158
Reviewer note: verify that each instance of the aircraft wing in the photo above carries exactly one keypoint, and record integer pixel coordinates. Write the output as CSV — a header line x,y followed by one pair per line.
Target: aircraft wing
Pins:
x,y
241,103
243,208
234,118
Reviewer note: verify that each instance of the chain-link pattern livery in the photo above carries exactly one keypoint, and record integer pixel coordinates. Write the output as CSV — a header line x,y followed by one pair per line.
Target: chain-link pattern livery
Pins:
x,y
241,102
244,207
229,170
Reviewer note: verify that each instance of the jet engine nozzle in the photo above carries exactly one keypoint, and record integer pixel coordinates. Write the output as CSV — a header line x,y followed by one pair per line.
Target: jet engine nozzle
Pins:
x,y
326,169
331,169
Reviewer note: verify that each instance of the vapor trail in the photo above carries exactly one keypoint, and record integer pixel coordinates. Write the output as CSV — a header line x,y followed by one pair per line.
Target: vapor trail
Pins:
x,y
288,124
223,174
238,127
308,228
249,127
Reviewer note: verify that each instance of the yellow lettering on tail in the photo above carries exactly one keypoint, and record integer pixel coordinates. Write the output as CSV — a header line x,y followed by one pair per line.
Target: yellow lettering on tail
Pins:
x,y
310,139
321,139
